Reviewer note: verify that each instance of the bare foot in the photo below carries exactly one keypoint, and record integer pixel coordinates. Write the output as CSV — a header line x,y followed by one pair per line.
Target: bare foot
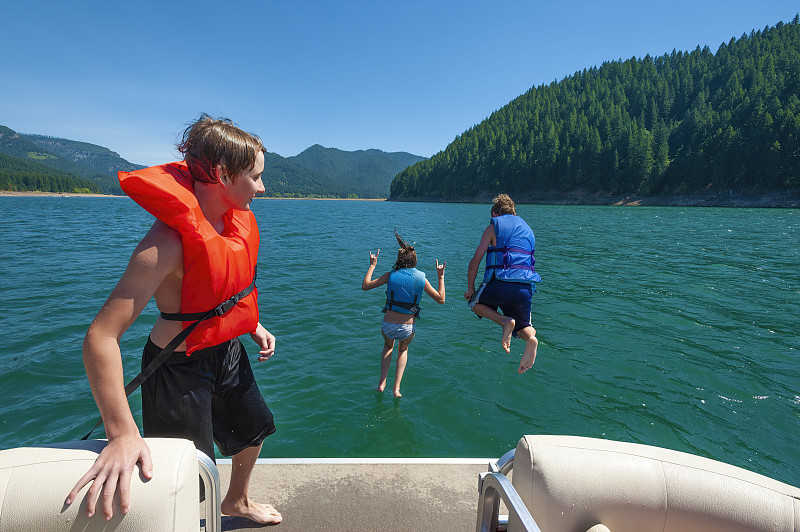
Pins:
x,y
508,329
380,388
397,394
264,514
529,356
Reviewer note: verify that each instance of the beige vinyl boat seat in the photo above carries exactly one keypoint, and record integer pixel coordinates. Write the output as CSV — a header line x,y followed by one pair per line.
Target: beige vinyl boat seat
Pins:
x,y
35,481
576,484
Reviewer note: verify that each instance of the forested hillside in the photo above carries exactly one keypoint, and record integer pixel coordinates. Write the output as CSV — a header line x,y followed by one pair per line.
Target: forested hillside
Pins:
x,y
367,173
284,178
316,172
681,123
99,160
26,175
334,173
87,163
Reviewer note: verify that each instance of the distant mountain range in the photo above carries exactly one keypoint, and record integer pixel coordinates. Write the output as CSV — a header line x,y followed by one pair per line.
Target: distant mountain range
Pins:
x,y
50,164
36,162
336,173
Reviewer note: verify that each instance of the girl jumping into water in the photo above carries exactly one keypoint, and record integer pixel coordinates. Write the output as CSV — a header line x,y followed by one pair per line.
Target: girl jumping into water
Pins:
x,y
405,284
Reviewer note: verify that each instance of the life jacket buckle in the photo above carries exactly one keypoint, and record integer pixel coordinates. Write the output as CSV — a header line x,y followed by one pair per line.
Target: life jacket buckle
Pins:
x,y
225,307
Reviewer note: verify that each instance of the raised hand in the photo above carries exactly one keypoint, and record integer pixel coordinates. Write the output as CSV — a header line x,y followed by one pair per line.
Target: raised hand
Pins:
x,y
373,259
440,268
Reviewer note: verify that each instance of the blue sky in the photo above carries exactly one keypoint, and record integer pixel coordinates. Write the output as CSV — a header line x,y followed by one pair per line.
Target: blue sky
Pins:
x,y
393,75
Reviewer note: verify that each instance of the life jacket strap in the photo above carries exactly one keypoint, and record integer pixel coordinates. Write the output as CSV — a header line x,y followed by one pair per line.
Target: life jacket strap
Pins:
x,y
413,306
505,265
509,267
196,318
219,310
504,249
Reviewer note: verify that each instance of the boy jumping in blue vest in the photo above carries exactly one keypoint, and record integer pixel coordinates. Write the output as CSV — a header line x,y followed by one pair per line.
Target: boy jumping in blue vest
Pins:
x,y
405,284
509,278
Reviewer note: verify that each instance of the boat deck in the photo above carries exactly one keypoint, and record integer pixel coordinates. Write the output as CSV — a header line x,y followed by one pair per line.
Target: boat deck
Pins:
x,y
394,495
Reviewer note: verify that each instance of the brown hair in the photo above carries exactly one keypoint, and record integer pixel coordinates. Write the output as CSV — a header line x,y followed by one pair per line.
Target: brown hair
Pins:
x,y
503,204
209,142
406,256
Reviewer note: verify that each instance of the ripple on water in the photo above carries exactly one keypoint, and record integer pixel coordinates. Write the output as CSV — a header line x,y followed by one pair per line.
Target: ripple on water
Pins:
x,y
666,326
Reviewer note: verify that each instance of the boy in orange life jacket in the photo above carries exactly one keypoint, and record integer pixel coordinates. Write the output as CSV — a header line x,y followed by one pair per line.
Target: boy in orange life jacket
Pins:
x,y
403,293
204,234
509,279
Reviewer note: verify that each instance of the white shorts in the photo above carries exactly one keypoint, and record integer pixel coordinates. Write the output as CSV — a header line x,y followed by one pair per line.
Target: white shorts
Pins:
x,y
397,331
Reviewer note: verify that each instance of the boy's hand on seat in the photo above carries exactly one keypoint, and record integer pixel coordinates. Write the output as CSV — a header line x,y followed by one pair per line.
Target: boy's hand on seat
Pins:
x,y
111,473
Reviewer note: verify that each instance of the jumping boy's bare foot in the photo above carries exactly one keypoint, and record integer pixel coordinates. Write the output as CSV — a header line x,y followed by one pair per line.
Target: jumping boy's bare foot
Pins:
x,y
397,394
529,356
508,329
264,514
380,388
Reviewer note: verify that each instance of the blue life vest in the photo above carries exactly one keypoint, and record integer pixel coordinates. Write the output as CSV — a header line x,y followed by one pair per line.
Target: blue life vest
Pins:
x,y
511,259
404,291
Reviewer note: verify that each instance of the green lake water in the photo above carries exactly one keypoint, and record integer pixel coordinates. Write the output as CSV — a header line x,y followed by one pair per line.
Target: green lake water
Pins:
x,y
670,326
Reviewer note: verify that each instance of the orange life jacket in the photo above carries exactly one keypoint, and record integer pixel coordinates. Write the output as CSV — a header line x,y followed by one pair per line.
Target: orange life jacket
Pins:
x,y
216,267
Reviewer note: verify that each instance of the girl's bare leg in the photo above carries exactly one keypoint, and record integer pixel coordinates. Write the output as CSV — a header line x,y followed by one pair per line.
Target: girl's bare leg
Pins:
x,y
402,357
505,322
386,360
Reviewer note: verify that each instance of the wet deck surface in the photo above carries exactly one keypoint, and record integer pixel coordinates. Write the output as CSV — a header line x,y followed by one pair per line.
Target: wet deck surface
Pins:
x,y
364,495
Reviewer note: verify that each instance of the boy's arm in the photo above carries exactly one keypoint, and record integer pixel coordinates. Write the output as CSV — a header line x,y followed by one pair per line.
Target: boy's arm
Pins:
x,y
475,262
437,295
157,255
368,283
265,341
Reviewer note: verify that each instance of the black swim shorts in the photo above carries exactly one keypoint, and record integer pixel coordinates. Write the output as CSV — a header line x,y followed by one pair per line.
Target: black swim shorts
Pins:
x,y
210,396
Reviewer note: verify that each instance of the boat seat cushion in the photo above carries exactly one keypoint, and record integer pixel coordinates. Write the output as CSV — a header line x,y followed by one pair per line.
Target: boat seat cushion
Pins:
x,y
572,484
35,481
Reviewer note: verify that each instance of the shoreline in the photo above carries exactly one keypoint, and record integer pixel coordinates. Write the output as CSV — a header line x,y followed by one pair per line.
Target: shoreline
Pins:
x,y
39,194
789,199
36,193
785,199
322,199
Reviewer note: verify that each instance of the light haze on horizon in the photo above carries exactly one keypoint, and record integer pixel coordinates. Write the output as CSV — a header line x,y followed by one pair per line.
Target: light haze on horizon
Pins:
x,y
354,75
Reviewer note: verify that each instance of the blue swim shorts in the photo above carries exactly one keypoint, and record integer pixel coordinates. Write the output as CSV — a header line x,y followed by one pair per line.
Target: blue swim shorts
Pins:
x,y
513,299
397,331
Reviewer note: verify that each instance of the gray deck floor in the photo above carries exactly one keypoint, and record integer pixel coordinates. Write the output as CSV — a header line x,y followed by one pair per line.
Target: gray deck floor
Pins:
x,y
364,495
